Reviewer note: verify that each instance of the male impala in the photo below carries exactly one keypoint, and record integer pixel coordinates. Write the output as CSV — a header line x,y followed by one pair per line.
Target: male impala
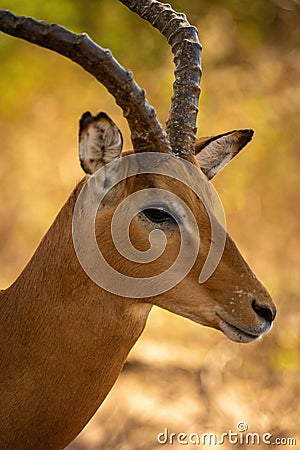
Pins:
x,y
66,332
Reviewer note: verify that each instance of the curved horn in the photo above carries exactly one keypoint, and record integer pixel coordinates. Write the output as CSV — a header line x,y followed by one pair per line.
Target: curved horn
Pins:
x,y
146,131
183,38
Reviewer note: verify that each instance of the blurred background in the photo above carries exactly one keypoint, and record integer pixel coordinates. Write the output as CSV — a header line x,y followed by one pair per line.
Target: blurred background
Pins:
x,y
180,376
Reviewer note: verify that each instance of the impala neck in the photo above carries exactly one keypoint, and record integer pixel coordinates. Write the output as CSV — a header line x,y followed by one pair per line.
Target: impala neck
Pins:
x,y
68,340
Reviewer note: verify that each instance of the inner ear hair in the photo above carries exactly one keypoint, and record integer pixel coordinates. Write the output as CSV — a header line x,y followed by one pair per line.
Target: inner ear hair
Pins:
x,y
100,141
214,152
242,137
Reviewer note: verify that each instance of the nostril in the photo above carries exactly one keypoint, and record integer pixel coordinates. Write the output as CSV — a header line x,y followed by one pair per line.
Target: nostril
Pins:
x,y
264,311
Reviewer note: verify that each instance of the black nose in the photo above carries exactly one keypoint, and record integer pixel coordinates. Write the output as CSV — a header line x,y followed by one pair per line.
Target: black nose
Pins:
x,y
264,311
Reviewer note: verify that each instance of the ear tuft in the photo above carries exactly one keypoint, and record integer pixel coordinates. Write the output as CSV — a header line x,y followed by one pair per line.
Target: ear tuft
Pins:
x,y
213,153
100,141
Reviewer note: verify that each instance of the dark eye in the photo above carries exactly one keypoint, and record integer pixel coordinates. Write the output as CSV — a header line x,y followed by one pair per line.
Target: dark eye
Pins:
x,y
157,215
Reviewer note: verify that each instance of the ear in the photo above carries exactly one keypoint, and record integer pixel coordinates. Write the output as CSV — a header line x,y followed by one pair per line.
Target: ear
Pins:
x,y
213,153
100,141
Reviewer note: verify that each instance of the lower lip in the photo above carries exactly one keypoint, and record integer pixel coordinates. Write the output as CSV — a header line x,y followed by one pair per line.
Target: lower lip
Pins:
x,y
235,334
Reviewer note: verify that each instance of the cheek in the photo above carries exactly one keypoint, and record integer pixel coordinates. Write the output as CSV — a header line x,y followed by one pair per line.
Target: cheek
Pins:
x,y
160,244
138,258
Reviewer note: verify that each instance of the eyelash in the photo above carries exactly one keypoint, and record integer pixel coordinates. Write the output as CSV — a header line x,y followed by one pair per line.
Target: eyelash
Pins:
x,y
157,215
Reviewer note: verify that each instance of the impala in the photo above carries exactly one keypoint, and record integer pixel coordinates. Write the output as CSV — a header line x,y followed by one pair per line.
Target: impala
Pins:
x,y
67,325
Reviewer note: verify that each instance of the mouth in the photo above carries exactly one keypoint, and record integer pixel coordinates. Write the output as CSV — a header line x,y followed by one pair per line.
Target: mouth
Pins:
x,y
236,334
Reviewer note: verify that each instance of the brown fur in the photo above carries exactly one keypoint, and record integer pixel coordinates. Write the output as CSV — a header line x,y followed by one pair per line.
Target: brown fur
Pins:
x,y
63,344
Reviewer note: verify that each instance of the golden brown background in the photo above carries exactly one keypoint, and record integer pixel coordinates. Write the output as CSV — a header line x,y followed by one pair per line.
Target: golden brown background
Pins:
x,y
180,376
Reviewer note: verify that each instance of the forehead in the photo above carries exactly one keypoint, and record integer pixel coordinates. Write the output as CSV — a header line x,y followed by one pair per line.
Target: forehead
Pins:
x,y
173,174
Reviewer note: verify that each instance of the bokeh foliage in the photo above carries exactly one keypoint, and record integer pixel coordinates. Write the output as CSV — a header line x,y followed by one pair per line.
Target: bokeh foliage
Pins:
x,y
251,63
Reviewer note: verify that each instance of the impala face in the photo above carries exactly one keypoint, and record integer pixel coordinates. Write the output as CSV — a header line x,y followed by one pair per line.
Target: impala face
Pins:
x,y
164,243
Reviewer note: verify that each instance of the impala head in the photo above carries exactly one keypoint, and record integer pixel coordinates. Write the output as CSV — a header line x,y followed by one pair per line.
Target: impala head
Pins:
x,y
153,208
156,229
